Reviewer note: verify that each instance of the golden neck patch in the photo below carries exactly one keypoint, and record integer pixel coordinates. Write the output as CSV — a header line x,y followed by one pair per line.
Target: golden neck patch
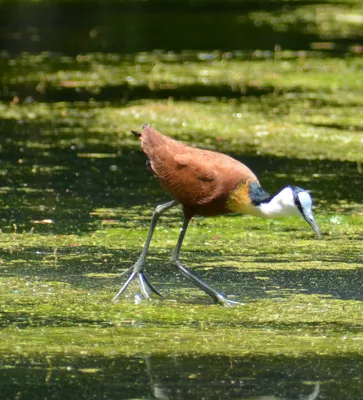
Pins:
x,y
239,200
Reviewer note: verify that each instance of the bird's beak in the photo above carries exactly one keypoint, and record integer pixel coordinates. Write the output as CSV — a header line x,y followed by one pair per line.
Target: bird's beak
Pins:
x,y
308,216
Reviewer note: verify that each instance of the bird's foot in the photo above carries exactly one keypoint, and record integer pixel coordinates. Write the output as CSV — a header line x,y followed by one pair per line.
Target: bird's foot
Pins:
x,y
222,300
218,298
145,285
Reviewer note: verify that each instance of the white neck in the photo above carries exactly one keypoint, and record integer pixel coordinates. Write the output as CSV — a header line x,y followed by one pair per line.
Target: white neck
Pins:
x,y
281,205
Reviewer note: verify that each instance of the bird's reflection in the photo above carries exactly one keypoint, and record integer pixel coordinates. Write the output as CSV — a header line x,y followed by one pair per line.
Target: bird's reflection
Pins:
x,y
177,380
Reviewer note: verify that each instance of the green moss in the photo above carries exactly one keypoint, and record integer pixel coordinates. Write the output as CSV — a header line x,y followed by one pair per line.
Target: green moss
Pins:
x,y
56,291
314,102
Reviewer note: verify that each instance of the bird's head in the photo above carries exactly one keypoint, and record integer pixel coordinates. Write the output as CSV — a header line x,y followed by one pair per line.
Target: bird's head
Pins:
x,y
289,202
304,203
297,201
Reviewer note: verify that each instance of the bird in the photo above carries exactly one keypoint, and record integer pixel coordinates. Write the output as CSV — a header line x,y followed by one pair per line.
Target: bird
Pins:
x,y
207,183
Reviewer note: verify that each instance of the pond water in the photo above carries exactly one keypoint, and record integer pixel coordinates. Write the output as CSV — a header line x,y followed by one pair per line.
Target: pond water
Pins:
x,y
276,85
181,378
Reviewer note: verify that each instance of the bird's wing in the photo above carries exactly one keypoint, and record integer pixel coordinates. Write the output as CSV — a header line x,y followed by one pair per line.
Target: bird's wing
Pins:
x,y
195,180
193,176
199,166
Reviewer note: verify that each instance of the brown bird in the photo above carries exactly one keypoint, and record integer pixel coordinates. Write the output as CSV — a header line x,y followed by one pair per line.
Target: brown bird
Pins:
x,y
207,183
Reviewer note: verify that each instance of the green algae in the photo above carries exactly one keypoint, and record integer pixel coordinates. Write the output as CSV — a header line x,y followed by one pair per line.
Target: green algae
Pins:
x,y
292,327
281,311
312,100
285,278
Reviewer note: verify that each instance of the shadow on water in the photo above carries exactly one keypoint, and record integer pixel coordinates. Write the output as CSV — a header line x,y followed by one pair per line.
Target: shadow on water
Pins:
x,y
48,174
182,377
84,267
126,92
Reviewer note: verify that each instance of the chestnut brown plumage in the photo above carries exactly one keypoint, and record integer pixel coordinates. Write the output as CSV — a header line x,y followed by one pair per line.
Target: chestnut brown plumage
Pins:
x,y
207,183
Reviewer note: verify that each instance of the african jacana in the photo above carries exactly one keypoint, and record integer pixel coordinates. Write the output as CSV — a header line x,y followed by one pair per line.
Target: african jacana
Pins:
x,y
207,183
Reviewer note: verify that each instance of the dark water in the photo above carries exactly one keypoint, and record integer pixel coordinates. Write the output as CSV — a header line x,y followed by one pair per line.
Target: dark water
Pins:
x,y
129,27
73,27
202,377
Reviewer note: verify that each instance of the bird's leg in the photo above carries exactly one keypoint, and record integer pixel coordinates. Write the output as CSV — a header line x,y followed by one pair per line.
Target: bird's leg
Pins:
x,y
137,269
216,296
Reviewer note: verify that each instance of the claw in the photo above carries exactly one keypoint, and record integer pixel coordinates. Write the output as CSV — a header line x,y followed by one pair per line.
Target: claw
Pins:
x,y
146,286
218,298
125,286
151,288
228,303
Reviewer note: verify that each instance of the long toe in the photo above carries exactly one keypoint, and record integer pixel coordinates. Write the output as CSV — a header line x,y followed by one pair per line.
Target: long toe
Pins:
x,y
125,285
147,288
231,303
226,302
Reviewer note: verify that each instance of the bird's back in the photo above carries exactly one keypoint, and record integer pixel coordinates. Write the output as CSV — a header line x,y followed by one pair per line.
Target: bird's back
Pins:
x,y
203,181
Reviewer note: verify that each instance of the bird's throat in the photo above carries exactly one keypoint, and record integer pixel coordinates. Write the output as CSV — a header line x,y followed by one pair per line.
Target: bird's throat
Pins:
x,y
279,206
250,198
240,200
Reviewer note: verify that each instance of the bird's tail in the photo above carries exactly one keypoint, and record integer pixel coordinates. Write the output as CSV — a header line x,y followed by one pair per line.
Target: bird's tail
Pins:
x,y
138,134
